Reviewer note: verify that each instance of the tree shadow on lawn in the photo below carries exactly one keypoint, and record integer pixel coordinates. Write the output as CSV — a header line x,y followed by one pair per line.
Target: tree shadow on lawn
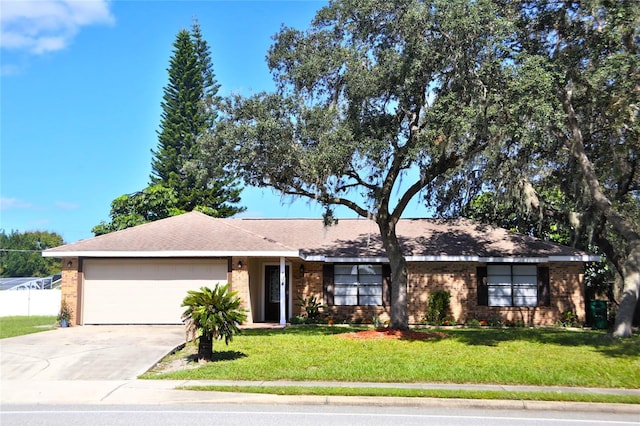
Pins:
x,y
219,356
599,340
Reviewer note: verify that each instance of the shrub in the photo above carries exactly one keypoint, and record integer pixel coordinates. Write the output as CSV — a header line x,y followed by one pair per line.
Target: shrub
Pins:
x,y
568,319
65,313
473,323
377,322
312,307
298,319
438,307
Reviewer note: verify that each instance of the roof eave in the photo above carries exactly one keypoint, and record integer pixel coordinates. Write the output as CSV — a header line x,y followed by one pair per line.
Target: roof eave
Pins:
x,y
447,258
171,253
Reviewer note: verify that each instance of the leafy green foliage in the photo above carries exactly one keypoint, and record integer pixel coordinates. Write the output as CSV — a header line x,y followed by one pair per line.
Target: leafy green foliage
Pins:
x,y
216,313
312,308
65,313
376,103
438,308
188,111
586,56
179,182
153,203
21,254
569,319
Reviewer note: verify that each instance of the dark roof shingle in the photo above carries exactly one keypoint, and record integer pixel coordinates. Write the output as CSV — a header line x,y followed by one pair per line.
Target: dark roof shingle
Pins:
x,y
196,232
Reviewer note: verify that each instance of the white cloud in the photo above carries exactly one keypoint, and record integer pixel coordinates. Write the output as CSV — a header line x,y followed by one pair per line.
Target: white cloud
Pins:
x,y
9,69
64,205
13,204
40,26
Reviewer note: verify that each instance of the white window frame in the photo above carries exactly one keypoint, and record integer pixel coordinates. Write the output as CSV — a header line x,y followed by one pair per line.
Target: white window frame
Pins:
x,y
512,285
357,284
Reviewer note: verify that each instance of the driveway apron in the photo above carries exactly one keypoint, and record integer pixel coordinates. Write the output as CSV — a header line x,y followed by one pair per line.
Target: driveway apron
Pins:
x,y
104,352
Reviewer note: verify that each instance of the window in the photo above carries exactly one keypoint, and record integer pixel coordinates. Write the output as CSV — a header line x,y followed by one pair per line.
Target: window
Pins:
x,y
513,285
357,285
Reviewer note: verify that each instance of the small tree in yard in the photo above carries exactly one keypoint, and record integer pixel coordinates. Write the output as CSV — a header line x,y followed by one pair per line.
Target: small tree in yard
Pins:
x,y
216,313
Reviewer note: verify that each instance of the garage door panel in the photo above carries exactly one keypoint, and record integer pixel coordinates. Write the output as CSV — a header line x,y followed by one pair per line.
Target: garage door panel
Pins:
x,y
144,291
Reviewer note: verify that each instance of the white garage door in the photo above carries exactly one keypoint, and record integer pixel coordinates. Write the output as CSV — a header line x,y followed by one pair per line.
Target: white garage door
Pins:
x,y
144,291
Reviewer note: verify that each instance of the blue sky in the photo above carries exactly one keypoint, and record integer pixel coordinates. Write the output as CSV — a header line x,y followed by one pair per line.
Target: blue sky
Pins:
x,y
81,87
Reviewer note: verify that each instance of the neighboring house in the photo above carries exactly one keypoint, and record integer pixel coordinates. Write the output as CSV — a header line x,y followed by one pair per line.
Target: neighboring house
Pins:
x,y
140,275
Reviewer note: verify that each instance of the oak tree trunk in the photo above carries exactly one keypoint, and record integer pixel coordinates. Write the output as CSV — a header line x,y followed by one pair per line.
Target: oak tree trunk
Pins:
x,y
398,264
630,292
623,228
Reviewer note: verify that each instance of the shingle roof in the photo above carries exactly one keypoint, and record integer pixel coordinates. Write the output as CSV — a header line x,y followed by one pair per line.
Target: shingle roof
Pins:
x,y
196,234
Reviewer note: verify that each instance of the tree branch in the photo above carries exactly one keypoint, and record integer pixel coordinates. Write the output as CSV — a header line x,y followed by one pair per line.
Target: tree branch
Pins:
x,y
327,199
576,147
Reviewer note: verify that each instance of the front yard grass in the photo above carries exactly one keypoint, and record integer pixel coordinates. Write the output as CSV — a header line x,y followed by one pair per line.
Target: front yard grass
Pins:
x,y
19,325
538,356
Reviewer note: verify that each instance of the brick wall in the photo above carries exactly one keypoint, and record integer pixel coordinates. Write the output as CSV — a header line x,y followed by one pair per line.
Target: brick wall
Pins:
x,y
71,287
566,285
240,283
427,278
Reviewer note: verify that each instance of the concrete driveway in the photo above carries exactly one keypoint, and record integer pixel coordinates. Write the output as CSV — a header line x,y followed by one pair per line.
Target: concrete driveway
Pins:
x,y
117,352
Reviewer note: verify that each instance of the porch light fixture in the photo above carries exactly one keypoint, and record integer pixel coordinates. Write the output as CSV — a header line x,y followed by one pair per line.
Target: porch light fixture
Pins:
x,y
69,264
302,269
239,264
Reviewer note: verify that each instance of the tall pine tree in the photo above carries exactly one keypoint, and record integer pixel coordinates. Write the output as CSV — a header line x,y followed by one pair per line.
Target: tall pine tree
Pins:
x,y
179,181
189,111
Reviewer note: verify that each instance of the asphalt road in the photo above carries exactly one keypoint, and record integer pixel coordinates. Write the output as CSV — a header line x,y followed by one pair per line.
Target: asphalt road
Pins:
x,y
290,415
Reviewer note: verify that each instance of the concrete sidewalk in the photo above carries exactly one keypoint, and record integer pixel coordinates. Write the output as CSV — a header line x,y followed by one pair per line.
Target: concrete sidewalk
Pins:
x,y
111,392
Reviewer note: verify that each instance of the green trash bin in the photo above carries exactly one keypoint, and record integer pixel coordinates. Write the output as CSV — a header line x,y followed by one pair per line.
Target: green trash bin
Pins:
x,y
598,311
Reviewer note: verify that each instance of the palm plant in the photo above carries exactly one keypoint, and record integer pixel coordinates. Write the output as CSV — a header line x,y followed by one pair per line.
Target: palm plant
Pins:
x,y
216,313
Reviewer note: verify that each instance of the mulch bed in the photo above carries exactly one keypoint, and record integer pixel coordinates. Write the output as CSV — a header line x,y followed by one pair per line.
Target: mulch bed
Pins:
x,y
390,333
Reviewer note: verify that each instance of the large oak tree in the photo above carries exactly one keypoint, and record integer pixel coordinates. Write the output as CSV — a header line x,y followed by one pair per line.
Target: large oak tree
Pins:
x,y
573,109
376,101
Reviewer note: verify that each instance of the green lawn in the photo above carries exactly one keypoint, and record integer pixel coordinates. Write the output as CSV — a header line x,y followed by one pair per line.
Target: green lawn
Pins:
x,y
550,357
19,325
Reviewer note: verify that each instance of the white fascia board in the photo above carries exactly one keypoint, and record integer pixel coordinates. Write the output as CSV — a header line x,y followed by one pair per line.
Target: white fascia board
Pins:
x,y
444,258
513,259
357,259
316,258
165,254
583,258
490,259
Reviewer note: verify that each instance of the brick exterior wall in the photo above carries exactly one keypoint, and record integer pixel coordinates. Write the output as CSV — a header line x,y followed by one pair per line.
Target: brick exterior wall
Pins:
x,y
307,285
239,279
71,287
312,285
566,286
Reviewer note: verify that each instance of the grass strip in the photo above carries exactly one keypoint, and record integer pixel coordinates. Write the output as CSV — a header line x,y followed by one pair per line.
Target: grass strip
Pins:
x,y
423,393
20,325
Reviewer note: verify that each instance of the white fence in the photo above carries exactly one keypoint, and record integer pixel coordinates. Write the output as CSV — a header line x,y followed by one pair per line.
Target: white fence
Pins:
x,y
29,302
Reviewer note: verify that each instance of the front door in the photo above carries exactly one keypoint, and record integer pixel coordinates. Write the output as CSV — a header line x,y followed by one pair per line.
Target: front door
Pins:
x,y
272,293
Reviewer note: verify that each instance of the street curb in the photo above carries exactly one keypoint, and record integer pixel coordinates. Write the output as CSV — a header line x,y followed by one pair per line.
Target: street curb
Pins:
x,y
417,402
